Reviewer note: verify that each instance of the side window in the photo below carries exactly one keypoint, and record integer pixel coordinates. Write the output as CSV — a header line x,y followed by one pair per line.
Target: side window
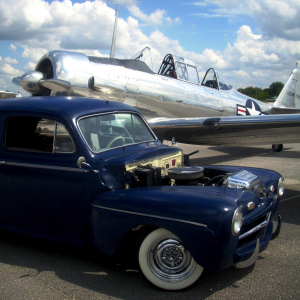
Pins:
x,y
181,71
193,74
63,142
35,134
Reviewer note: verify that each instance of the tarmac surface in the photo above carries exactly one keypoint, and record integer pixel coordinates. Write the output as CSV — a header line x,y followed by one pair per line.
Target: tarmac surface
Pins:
x,y
35,269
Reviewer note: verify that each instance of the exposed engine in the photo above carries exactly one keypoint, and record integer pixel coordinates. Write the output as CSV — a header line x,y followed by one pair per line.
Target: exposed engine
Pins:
x,y
198,176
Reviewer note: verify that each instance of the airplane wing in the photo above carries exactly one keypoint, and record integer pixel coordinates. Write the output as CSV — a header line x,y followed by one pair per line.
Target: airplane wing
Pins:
x,y
7,94
231,130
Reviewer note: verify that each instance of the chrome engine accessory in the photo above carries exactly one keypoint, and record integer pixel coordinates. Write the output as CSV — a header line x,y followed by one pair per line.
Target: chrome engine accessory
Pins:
x,y
242,180
186,175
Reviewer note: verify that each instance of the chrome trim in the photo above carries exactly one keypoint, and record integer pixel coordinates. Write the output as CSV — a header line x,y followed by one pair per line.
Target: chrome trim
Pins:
x,y
258,227
150,216
41,166
54,137
250,205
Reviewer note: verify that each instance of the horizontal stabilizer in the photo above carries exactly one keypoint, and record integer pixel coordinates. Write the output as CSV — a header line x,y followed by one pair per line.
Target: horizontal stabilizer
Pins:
x,y
7,94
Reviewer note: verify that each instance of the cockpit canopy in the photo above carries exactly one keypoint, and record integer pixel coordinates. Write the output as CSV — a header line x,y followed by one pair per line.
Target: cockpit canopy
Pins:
x,y
180,68
213,80
183,69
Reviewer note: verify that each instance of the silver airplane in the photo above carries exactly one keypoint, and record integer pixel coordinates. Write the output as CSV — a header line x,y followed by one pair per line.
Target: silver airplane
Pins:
x,y
176,103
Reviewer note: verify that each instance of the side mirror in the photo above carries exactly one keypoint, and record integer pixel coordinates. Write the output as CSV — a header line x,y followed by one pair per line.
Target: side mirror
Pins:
x,y
81,163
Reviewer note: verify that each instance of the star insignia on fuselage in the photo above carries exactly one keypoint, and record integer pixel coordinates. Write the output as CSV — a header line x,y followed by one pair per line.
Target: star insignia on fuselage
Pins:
x,y
250,109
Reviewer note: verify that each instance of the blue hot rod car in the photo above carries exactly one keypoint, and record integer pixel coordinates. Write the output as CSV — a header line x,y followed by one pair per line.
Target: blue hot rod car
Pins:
x,y
92,172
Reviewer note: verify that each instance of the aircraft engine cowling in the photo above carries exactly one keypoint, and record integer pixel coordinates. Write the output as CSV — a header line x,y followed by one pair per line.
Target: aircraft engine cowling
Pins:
x,y
65,67
57,73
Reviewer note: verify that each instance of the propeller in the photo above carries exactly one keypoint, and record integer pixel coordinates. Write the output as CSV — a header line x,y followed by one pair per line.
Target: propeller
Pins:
x,y
35,82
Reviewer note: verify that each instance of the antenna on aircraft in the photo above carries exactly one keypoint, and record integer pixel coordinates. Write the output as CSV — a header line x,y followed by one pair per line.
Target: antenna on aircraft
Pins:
x,y
113,43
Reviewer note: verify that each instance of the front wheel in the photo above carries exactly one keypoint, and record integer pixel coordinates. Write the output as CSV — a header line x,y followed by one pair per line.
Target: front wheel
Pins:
x,y
165,261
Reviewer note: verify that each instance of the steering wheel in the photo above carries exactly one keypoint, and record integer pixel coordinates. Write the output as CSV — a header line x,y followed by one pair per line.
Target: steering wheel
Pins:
x,y
119,141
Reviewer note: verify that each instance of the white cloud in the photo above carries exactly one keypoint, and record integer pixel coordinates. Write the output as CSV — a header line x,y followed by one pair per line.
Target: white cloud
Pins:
x,y
278,18
87,27
123,2
33,53
12,47
158,17
30,66
241,73
9,70
10,60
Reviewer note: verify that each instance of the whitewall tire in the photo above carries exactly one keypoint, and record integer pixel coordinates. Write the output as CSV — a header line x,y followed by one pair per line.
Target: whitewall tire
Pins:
x,y
165,261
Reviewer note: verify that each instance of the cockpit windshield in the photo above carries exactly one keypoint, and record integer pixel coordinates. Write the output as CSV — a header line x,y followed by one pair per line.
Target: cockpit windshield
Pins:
x,y
145,56
103,132
223,83
215,81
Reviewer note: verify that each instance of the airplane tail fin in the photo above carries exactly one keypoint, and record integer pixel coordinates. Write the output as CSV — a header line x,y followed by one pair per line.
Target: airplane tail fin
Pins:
x,y
288,100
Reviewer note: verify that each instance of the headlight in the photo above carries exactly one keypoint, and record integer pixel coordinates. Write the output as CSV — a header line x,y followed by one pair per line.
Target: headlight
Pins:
x,y
281,186
237,221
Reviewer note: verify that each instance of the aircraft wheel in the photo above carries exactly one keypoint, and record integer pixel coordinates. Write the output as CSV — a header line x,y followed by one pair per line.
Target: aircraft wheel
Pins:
x,y
277,147
165,261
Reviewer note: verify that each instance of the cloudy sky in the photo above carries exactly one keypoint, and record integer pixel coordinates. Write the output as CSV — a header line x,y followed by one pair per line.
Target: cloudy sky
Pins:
x,y
251,42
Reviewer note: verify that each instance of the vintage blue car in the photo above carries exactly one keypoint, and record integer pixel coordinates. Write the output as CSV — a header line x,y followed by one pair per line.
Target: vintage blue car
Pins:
x,y
91,172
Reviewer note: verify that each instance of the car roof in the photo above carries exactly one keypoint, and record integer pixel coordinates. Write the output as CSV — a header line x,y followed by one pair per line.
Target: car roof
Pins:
x,y
68,107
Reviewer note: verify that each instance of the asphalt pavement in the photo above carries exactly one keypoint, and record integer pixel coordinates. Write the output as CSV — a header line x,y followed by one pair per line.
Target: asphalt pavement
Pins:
x,y
35,269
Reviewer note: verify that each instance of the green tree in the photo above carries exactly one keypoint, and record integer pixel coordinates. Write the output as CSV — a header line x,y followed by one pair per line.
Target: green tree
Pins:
x,y
262,94
275,88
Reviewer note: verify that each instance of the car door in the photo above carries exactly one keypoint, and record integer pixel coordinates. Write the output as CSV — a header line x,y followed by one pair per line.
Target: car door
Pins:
x,y
41,185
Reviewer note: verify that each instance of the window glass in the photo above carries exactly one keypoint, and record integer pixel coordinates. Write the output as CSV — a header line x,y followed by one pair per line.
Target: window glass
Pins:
x,y
193,74
36,135
63,140
210,79
181,71
223,83
103,132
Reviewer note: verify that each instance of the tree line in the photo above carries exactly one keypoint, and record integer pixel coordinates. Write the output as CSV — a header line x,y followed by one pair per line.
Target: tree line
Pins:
x,y
269,93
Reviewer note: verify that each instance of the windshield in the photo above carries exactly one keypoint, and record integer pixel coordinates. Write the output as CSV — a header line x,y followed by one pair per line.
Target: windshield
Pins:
x,y
104,132
223,83
145,56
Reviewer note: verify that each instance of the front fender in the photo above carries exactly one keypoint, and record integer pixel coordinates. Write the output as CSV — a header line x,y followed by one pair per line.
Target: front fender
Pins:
x,y
199,216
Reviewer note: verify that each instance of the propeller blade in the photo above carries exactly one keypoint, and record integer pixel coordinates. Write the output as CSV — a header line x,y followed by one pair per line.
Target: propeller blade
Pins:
x,y
56,85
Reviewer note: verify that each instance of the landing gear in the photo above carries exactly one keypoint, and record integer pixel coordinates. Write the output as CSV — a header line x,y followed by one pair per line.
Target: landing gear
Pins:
x,y
277,147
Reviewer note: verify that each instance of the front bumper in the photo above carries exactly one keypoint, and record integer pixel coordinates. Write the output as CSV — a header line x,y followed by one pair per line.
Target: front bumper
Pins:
x,y
247,252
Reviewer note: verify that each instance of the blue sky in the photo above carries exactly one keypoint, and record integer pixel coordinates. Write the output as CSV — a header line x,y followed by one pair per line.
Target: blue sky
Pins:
x,y
251,42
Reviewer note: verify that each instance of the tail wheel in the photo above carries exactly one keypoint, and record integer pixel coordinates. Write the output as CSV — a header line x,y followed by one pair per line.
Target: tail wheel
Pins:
x,y
277,148
166,262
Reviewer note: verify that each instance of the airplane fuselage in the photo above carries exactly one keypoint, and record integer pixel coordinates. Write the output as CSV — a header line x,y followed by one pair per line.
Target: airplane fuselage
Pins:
x,y
160,96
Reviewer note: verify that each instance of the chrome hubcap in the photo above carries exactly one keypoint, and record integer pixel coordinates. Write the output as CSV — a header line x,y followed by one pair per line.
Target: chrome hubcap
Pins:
x,y
169,260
